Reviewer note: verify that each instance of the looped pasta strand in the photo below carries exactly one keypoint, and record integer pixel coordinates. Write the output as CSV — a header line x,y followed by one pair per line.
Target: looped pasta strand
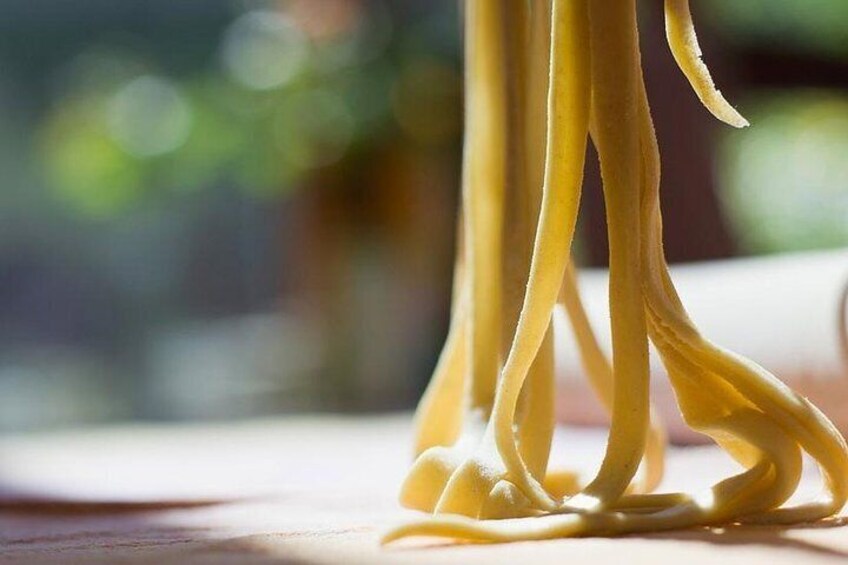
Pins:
x,y
484,425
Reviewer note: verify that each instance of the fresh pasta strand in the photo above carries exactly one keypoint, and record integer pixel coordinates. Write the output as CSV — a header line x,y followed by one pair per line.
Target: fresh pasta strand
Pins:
x,y
527,57
680,31
600,375
438,481
438,418
484,425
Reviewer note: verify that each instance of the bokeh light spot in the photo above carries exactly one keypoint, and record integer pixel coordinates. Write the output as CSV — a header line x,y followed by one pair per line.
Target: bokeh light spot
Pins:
x,y
264,50
785,181
149,116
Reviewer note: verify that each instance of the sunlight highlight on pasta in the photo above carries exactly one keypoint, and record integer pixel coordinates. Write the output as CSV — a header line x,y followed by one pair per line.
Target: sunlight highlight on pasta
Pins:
x,y
543,79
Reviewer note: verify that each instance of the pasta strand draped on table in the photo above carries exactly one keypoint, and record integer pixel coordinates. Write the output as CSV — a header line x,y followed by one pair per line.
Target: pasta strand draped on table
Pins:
x,y
543,78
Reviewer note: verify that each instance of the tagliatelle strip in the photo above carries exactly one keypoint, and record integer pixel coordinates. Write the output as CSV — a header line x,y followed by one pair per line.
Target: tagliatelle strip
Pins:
x,y
600,374
484,426
683,42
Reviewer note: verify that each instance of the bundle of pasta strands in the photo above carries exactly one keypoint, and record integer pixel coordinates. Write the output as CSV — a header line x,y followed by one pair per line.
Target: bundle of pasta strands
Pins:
x,y
794,308
484,424
459,469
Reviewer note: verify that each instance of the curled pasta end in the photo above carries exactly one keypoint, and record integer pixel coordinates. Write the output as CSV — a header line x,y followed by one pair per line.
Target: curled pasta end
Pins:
x,y
680,32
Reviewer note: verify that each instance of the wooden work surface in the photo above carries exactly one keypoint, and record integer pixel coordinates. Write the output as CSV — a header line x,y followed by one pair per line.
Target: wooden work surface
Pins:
x,y
306,491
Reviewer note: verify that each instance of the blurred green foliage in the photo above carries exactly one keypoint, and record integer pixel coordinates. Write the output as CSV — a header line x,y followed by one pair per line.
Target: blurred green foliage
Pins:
x,y
785,180
286,93
291,91
819,26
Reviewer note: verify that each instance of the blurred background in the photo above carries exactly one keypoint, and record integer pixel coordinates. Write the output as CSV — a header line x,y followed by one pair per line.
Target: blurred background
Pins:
x,y
216,209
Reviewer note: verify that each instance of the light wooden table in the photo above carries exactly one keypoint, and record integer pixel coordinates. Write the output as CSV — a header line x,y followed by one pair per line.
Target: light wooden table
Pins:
x,y
306,490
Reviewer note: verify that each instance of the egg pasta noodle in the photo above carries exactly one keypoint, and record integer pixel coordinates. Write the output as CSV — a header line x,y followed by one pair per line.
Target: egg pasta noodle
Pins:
x,y
543,79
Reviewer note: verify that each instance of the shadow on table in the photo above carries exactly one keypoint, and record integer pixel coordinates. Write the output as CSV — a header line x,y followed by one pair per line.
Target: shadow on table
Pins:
x,y
162,533
771,536
36,507
173,531
776,537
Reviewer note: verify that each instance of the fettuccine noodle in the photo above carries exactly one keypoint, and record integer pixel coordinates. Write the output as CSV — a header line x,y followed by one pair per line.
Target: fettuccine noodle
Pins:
x,y
542,79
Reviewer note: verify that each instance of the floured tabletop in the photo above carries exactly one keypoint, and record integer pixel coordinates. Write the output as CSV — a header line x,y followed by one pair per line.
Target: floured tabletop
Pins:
x,y
310,490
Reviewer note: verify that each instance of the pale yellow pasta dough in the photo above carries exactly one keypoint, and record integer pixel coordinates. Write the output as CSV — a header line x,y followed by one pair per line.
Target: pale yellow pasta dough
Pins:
x,y
543,78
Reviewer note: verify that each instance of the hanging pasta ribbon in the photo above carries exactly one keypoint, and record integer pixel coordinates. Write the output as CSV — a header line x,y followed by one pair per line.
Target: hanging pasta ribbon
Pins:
x,y
484,425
